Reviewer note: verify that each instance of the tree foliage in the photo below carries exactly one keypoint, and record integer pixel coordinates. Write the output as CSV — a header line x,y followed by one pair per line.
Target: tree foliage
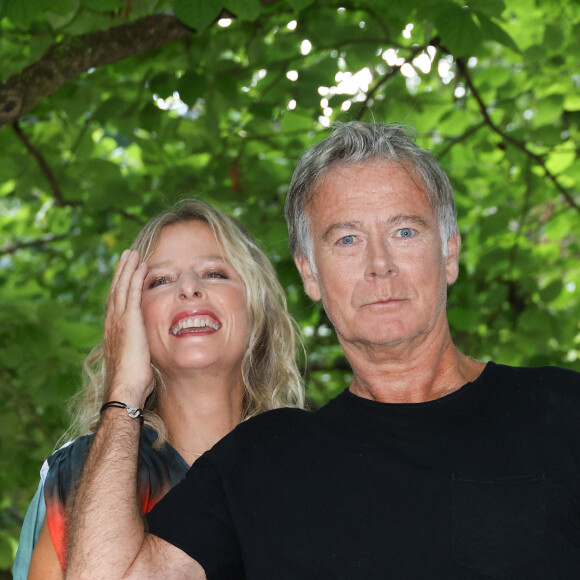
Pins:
x,y
113,109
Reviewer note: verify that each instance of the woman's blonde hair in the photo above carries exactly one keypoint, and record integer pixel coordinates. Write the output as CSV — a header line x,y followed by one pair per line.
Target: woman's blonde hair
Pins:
x,y
269,370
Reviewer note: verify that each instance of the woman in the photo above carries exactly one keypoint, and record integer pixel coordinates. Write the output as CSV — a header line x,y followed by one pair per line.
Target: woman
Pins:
x,y
219,347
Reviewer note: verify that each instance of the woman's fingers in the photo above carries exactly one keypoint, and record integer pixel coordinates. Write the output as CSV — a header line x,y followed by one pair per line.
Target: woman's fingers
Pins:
x,y
122,280
118,269
125,341
135,290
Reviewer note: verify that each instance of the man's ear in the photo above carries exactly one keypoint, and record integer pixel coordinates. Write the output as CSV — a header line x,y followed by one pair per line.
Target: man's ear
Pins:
x,y
308,277
452,258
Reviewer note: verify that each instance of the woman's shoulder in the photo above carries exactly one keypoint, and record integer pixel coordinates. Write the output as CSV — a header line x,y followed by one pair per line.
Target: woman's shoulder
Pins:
x,y
65,464
69,456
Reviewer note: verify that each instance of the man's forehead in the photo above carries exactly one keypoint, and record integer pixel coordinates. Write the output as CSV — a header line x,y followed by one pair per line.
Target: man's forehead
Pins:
x,y
386,178
355,172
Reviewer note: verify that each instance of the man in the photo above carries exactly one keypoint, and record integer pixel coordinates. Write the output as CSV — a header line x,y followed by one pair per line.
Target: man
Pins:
x,y
431,465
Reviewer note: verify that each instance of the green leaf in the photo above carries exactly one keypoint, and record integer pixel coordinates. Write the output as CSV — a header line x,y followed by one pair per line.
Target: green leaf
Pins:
x,y
549,110
244,9
462,318
197,14
163,85
103,5
492,8
572,102
299,5
61,18
561,157
293,121
553,37
22,13
7,550
559,227
536,324
191,86
552,291
494,32
458,29
64,7
82,334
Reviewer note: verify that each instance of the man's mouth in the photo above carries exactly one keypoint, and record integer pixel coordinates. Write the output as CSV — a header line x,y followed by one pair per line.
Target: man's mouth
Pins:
x,y
384,301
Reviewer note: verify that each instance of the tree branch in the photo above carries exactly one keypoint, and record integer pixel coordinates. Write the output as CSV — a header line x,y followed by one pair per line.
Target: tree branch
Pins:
x,y
129,216
10,249
523,217
462,68
452,142
43,166
392,72
67,59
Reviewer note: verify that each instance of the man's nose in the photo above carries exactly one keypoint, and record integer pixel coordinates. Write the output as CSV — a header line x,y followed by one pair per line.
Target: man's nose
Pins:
x,y
380,260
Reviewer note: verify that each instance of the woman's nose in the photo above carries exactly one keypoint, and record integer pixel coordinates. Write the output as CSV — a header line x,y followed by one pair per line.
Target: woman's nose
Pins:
x,y
190,287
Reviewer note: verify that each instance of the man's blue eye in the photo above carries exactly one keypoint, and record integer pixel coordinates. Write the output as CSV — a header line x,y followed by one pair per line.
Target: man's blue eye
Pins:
x,y
347,240
406,233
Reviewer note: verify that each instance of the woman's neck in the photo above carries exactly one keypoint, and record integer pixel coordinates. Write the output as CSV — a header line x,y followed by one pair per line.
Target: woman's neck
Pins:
x,y
199,414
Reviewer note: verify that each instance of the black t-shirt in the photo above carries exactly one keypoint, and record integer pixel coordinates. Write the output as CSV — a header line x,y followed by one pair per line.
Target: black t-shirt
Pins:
x,y
482,483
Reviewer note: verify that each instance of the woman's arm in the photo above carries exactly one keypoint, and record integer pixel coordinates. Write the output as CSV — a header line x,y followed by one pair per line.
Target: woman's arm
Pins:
x,y
33,522
44,564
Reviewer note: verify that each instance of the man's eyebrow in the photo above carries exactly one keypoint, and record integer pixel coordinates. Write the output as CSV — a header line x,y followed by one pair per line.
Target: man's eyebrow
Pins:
x,y
407,219
339,227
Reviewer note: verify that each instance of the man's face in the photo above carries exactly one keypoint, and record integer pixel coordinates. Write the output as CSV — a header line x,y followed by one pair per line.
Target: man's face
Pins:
x,y
380,274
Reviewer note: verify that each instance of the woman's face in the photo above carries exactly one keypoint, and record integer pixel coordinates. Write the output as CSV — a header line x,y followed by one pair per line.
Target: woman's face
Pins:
x,y
194,304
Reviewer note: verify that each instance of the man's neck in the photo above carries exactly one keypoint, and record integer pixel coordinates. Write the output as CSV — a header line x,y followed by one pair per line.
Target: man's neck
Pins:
x,y
411,373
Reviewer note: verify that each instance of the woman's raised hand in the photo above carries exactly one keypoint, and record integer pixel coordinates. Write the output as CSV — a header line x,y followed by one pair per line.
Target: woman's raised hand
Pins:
x,y
129,372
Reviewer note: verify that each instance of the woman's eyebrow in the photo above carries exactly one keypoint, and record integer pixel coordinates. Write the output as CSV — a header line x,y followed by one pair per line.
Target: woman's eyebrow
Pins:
x,y
202,259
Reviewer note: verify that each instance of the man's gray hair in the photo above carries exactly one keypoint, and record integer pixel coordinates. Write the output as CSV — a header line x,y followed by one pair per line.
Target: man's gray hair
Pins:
x,y
357,142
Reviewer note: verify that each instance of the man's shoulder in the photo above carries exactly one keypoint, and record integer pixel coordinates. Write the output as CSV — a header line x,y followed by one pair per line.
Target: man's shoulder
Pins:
x,y
544,376
275,420
548,386
290,417
274,429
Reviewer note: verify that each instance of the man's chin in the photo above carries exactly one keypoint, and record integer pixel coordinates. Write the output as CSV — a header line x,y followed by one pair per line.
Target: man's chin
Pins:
x,y
375,339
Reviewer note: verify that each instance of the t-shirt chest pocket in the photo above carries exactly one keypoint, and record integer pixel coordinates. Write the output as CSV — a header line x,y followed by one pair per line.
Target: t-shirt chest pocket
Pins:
x,y
498,523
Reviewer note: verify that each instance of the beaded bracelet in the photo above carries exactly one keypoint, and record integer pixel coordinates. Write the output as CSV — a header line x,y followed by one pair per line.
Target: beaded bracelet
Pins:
x,y
133,412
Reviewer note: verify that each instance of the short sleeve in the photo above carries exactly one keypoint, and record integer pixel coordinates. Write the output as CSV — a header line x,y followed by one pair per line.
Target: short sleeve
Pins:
x,y
64,468
194,517
29,534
